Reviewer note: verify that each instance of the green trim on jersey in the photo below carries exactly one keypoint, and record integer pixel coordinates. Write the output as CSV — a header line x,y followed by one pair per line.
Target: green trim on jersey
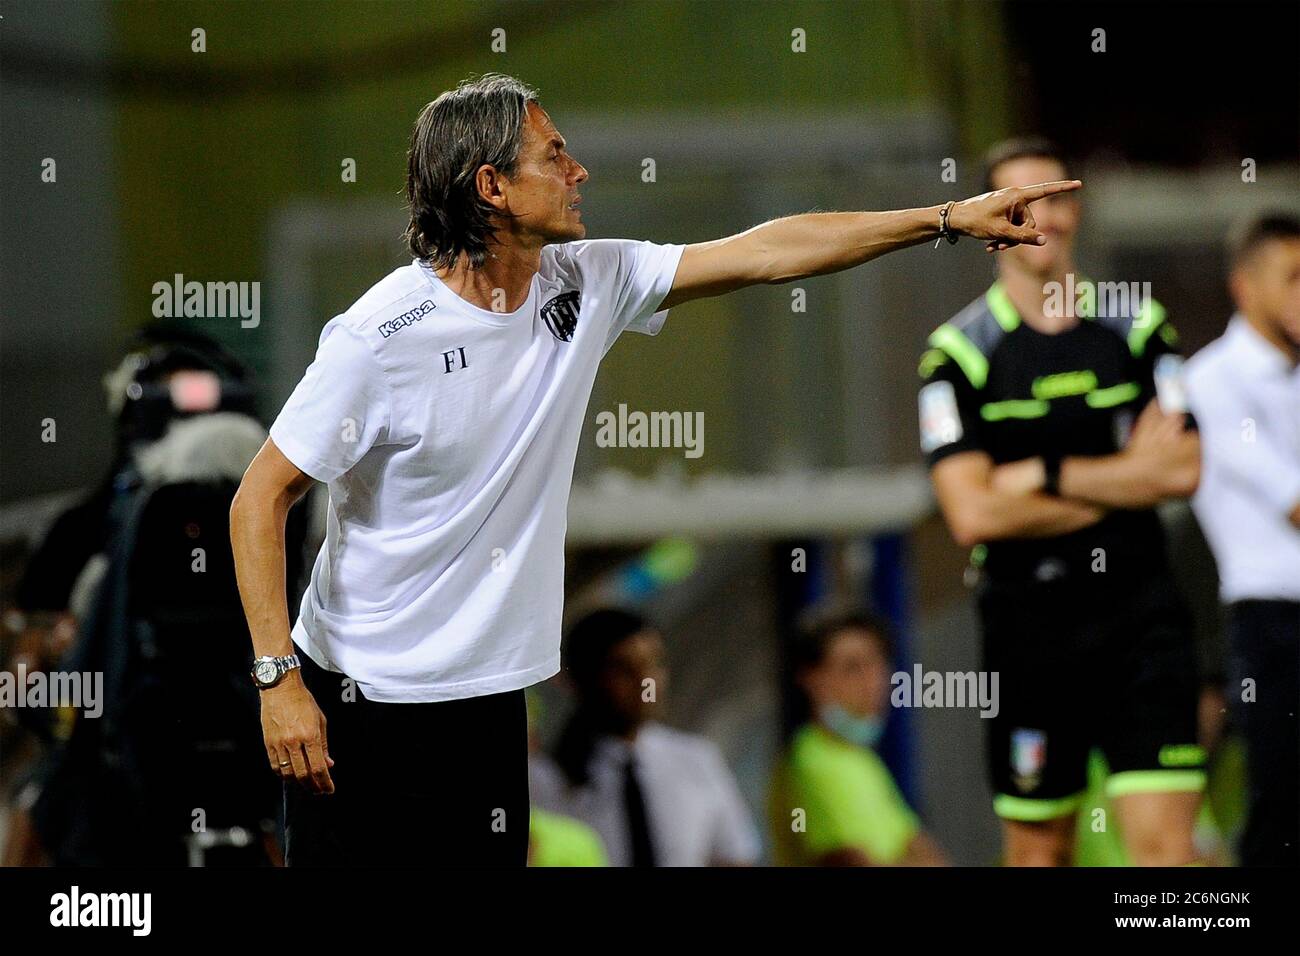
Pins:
x,y
1014,408
1086,307
1003,310
1150,318
1113,395
1155,781
971,337
1182,755
931,360
963,351
1029,810
1064,384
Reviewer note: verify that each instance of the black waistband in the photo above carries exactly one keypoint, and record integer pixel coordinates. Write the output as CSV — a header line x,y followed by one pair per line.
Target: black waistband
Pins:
x,y
1122,548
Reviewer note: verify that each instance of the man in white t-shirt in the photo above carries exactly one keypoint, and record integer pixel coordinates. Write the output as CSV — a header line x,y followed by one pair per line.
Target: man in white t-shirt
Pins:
x,y
1244,388
444,410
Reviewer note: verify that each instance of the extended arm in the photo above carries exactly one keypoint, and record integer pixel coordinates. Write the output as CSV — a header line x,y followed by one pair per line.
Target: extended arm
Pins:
x,y
813,244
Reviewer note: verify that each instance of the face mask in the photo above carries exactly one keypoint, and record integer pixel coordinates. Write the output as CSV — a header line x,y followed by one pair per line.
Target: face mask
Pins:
x,y
863,731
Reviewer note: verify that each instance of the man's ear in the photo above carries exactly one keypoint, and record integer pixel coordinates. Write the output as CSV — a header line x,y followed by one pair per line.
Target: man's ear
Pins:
x,y
490,185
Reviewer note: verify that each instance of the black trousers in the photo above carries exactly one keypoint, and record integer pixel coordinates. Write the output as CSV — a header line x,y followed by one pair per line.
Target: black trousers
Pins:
x,y
1264,639
442,784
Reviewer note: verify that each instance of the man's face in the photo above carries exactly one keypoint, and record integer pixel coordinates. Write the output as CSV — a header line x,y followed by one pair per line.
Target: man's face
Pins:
x,y
544,188
854,674
1267,286
633,679
1057,216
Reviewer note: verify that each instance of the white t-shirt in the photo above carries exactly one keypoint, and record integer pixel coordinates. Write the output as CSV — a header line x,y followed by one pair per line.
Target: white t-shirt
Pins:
x,y
1246,399
447,435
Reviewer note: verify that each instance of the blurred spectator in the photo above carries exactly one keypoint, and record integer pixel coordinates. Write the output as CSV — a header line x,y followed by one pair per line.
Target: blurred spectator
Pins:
x,y
554,839
1245,393
833,802
657,796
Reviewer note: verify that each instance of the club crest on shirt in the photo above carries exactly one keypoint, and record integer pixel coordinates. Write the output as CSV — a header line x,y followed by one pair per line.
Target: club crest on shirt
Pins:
x,y
560,313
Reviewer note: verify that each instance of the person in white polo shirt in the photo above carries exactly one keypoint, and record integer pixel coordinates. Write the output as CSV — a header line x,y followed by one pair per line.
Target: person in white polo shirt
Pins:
x,y
444,410
1244,390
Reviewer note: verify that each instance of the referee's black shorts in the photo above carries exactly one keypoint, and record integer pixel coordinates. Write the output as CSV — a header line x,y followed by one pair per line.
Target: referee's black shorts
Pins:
x,y
1083,662
437,784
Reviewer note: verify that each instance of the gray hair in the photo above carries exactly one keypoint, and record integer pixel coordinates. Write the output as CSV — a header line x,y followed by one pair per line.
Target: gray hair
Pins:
x,y
480,122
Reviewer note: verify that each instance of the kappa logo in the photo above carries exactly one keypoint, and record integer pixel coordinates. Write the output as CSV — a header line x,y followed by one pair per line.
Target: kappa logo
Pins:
x,y
561,315
406,318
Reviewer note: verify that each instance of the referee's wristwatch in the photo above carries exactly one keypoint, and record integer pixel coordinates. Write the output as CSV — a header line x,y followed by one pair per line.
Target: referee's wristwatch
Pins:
x,y
269,671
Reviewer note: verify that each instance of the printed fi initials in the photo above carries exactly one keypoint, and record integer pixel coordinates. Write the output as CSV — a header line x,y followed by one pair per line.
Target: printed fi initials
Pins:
x,y
454,359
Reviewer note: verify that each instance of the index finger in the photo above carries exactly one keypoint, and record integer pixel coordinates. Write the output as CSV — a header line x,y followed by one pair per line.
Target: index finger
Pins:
x,y
1050,189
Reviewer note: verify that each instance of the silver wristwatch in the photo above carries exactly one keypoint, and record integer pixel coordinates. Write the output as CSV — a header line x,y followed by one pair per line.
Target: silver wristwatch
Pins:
x,y
269,671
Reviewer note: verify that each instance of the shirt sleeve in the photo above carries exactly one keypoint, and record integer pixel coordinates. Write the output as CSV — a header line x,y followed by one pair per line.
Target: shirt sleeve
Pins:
x,y
852,803
1245,455
948,406
643,274
339,411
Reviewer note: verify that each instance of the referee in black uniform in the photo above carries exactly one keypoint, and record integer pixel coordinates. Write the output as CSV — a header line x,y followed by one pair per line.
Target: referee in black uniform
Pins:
x,y
1048,450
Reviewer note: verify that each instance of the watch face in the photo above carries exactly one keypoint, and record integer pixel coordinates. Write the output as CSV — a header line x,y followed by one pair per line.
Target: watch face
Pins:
x,y
267,672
